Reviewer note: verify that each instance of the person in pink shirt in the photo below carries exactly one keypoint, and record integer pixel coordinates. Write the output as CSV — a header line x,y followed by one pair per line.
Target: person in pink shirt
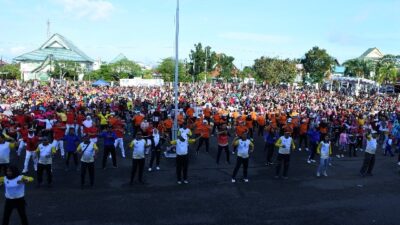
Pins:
x,y
343,142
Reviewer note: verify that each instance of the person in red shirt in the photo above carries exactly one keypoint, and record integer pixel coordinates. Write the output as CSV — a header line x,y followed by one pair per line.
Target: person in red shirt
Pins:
x,y
58,135
118,128
23,135
31,142
79,120
70,121
92,133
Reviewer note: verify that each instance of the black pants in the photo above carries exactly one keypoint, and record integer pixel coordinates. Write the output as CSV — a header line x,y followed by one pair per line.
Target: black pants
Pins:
x,y
41,168
368,164
182,164
137,164
282,159
12,204
155,154
3,168
313,150
90,168
270,147
241,161
107,150
223,148
204,140
216,125
352,150
74,156
302,139
261,130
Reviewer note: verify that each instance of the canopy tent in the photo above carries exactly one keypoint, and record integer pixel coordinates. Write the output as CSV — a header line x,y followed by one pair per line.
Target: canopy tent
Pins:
x,y
355,80
100,83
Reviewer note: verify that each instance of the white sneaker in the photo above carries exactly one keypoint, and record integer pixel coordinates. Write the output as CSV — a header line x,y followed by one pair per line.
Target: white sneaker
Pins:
x,y
325,174
299,149
233,180
157,168
24,171
246,180
179,182
342,156
309,161
312,160
398,163
185,181
123,156
307,149
150,169
338,156
318,174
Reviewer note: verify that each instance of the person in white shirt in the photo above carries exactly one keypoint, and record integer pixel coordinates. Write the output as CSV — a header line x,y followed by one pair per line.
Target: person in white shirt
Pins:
x,y
182,158
324,149
243,147
45,153
285,145
5,149
369,157
88,150
138,146
14,184
155,149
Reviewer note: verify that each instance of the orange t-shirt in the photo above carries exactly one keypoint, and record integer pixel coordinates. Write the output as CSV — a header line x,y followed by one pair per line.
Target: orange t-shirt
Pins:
x,y
138,119
217,118
207,112
261,120
204,131
240,130
168,123
190,112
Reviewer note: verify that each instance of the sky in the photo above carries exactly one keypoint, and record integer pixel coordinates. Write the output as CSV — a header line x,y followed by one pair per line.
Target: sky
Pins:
x,y
144,30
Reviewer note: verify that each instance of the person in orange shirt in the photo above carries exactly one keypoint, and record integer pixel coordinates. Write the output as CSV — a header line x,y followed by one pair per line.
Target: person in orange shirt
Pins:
x,y
207,114
303,133
249,125
190,112
261,124
217,122
198,123
168,123
137,120
241,129
204,136
272,119
288,127
282,119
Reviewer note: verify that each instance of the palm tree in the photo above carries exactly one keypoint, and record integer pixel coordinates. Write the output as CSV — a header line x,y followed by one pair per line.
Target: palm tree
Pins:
x,y
386,73
358,68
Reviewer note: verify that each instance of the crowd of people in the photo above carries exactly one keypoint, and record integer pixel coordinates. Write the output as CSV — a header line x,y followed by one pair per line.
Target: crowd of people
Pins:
x,y
78,122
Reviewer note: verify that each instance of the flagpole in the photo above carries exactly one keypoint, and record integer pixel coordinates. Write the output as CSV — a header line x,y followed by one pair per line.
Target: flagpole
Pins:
x,y
175,131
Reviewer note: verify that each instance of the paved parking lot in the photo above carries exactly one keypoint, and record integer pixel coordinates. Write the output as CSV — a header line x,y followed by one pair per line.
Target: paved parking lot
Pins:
x,y
341,198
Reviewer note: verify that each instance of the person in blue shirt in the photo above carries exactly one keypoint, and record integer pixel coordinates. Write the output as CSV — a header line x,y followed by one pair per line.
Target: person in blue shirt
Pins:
x,y
109,138
271,135
71,144
314,137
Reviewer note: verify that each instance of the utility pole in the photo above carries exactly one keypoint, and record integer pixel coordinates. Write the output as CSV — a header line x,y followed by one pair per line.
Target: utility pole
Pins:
x,y
205,68
175,129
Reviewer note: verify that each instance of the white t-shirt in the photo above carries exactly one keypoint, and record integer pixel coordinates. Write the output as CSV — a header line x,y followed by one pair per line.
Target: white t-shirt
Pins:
x,y
139,147
243,148
88,152
371,146
286,144
13,189
325,150
182,147
5,152
45,156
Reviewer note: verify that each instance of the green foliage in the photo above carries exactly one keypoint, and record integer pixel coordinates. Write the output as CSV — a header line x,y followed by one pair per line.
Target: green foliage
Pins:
x,y
103,73
167,70
386,72
124,69
68,70
317,63
10,71
358,68
274,70
225,65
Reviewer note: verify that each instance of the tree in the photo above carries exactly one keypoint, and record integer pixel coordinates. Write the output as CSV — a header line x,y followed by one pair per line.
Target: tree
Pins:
x,y
275,71
317,63
10,71
225,65
386,73
67,69
201,60
167,70
358,68
125,68
104,73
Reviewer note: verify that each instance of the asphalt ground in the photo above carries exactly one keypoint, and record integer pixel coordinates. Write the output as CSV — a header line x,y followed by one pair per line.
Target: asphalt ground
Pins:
x,y
210,198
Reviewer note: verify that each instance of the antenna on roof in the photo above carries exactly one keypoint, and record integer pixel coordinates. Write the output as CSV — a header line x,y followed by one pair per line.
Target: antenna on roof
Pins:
x,y
48,28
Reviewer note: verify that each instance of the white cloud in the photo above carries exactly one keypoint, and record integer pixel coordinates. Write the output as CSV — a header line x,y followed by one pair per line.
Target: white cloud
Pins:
x,y
92,9
17,50
255,37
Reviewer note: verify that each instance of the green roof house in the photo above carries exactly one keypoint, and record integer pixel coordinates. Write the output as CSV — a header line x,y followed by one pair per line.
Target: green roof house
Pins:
x,y
373,54
38,63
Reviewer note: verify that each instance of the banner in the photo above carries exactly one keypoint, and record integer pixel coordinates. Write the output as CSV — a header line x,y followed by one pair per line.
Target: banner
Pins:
x,y
139,82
